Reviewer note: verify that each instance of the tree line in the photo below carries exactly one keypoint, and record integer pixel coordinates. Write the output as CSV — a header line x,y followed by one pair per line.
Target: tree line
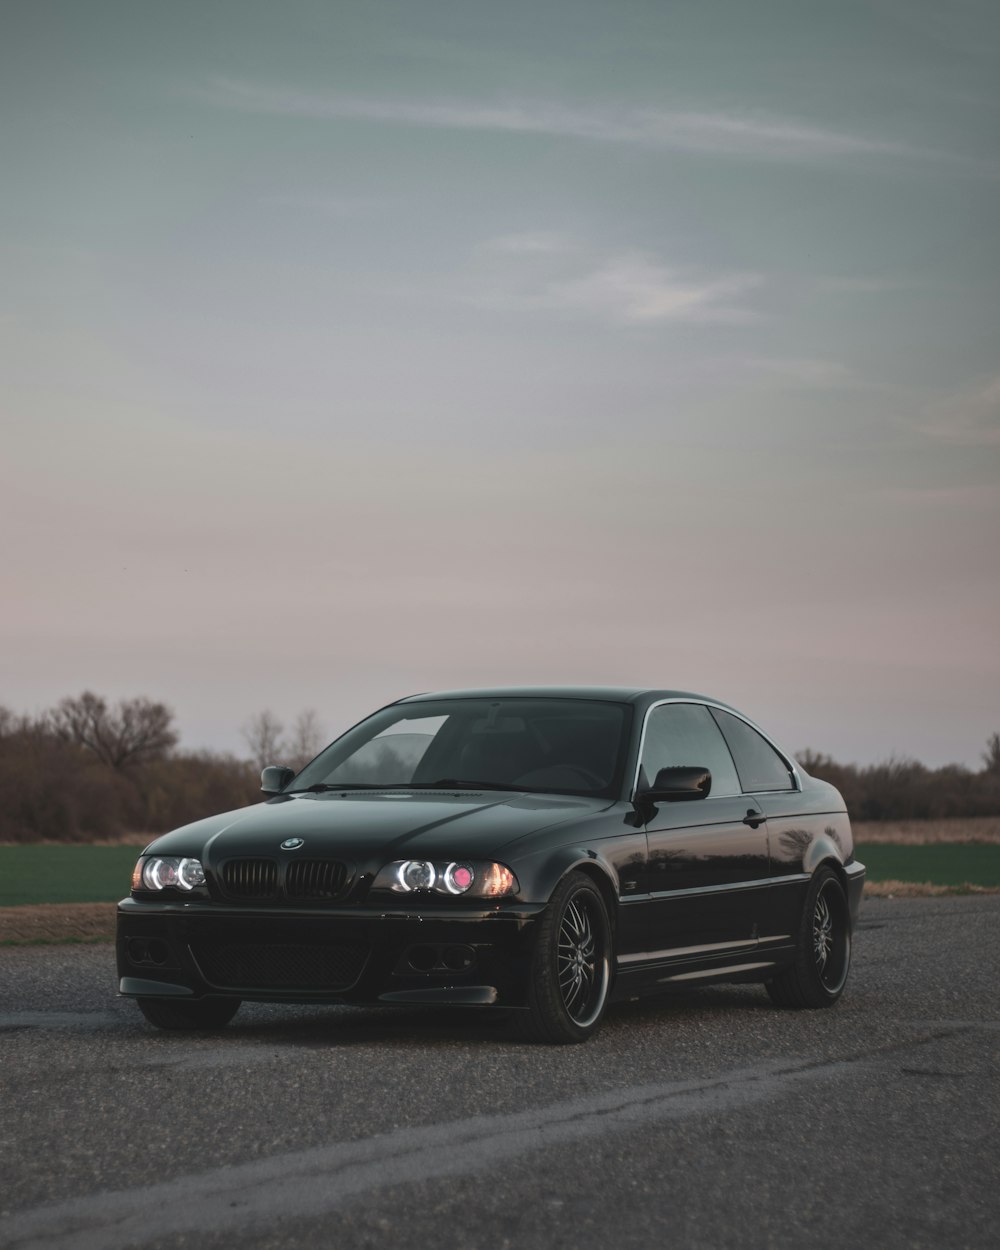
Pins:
x,y
905,789
87,770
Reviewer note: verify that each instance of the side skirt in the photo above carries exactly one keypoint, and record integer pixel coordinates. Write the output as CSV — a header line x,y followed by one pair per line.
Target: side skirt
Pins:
x,y
661,971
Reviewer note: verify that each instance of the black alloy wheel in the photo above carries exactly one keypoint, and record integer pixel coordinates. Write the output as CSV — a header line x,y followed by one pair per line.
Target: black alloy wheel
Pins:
x,y
823,948
210,1013
571,967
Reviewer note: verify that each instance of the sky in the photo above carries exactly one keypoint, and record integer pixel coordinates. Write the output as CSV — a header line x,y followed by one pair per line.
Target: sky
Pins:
x,y
349,350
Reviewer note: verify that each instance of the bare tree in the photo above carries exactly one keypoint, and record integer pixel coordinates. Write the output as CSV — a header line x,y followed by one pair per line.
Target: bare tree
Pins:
x,y
134,732
991,756
795,842
306,739
262,734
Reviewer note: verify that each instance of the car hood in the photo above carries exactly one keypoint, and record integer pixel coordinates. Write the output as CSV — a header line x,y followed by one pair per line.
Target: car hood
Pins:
x,y
385,823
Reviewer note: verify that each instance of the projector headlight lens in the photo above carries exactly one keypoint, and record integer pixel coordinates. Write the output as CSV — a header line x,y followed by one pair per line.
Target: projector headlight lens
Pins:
x,y
159,872
190,873
458,878
417,874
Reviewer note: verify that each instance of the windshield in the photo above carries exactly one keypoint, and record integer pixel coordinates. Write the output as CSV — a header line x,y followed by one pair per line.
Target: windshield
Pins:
x,y
566,746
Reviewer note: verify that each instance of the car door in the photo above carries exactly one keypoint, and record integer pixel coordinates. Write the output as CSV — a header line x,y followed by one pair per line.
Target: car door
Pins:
x,y
708,858
768,781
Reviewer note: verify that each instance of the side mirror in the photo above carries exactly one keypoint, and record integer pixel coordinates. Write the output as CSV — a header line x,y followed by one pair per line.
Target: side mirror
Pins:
x,y
275,777
678,785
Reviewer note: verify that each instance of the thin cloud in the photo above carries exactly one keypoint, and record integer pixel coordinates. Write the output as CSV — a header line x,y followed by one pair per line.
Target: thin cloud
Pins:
x,y
633,289
737,134
745,135
627,288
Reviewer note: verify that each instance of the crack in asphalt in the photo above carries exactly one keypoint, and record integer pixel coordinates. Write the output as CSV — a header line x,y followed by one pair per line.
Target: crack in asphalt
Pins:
x,y
316,1181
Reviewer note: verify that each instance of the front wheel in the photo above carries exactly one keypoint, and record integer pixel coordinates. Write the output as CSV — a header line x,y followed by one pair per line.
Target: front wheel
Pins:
x,y
822,950
210,1013
571,966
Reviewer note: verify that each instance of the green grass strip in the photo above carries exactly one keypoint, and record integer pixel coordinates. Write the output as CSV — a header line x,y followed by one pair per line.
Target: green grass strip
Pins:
x,y
940,863
65,874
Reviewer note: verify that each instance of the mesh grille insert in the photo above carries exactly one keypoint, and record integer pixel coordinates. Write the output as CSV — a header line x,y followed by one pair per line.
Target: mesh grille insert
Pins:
x,y
281,967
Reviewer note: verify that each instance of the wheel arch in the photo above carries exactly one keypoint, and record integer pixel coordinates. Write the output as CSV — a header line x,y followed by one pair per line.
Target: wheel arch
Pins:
x,y
836,866
576,859
600,878
825,850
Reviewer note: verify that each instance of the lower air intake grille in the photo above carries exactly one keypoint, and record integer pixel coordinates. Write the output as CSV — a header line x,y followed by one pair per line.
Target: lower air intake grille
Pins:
x,y
283,967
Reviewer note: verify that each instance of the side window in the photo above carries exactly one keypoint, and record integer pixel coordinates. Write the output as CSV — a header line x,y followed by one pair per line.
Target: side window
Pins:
x,y
684,733
758,763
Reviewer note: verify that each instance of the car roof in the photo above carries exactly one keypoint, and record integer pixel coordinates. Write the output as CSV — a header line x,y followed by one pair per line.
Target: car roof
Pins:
x,y
606,694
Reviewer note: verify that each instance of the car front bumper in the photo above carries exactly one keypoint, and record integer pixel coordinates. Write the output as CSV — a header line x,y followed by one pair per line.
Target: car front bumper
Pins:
x,y
855,872
196,950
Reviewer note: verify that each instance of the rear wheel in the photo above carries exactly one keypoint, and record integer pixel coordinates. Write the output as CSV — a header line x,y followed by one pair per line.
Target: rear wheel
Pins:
x,y
210,1013
571,967
822,951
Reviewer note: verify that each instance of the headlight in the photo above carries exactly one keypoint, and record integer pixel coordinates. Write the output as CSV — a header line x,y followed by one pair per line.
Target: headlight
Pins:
x,y
425,876
190,873
416,874
158,872
459,878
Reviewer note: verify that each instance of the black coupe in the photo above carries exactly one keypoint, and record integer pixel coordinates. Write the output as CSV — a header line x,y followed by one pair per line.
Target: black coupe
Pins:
x,y
544,851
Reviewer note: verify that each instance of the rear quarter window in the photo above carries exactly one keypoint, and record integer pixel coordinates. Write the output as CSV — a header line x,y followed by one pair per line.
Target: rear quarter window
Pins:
x,y
759,765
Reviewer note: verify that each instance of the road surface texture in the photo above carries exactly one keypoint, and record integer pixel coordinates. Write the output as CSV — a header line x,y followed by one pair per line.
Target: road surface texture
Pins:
x,y
710,1119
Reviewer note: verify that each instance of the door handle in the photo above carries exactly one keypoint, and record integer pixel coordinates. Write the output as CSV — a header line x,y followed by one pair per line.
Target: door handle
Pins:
x,y
754,818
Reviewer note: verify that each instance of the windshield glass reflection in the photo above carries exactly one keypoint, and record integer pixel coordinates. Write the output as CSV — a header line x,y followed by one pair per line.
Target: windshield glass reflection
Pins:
x,y
565,746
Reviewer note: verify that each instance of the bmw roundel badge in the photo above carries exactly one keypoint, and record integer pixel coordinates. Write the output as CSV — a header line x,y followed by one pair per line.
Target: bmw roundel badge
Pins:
x,y
291,844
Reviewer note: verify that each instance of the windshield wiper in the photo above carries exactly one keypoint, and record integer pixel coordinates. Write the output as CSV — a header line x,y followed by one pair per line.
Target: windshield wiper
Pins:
x,y
446,783
319,787
453,783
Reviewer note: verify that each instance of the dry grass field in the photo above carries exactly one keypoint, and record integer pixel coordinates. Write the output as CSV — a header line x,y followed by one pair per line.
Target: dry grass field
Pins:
x,y
974,831
981,829
58,922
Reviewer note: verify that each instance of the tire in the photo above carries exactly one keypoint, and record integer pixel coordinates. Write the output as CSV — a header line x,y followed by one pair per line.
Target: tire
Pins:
x,y
210,1013
570,973
822,948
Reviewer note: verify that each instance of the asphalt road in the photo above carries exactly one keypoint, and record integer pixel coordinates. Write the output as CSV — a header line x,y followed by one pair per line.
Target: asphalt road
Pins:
x,y
708,1120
